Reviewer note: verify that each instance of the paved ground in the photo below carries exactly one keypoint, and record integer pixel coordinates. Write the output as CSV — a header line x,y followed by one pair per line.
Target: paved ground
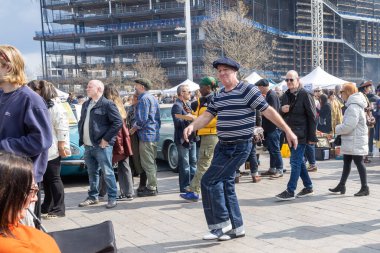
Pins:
x,y
322,223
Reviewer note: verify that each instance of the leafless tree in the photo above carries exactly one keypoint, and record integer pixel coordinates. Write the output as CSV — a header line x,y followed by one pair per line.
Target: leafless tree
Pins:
x,y
231,34
147,66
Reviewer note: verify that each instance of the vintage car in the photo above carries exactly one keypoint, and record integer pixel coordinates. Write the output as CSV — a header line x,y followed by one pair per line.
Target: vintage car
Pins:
x,y
166,149
73,165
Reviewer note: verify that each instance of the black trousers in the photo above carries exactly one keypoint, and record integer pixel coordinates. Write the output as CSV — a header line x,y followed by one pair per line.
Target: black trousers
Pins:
x,y
358,160
54,201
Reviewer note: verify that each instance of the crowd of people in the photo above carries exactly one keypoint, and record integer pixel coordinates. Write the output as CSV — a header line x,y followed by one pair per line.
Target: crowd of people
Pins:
x,y
215,134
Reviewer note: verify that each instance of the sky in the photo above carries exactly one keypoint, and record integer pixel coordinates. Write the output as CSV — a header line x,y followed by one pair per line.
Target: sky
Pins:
x,y
19,20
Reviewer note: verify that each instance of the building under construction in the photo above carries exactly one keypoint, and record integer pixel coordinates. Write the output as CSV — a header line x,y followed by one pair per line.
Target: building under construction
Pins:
x,y
88,37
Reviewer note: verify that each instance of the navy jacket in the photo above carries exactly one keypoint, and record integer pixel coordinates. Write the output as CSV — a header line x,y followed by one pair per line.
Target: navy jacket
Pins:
x,y
105,122
25,127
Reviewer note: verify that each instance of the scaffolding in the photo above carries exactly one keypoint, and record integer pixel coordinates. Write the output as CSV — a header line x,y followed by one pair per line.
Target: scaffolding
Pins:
x,y
317,33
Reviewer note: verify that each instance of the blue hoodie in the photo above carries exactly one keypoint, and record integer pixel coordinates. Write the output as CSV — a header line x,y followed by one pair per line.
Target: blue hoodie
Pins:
x,y
25,127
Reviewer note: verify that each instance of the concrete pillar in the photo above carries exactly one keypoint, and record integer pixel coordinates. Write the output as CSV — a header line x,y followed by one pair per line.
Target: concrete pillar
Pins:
x,y
201,33
119,40
159,37
82,41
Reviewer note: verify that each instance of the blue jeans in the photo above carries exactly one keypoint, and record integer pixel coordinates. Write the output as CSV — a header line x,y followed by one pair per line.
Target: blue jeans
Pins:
x,y
187,165
254,166
370,139
96,159
219,200
310,153
298,169
273,146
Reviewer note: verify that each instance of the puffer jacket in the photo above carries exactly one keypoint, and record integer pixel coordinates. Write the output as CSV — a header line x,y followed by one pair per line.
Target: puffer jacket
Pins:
x,y
353,130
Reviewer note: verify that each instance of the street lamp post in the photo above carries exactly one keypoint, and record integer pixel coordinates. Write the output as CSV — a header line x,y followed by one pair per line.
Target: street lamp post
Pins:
x,y
189,51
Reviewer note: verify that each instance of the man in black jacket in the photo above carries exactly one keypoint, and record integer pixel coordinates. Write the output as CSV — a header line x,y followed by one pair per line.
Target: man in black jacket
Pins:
x,y
98,126
271,132
300,114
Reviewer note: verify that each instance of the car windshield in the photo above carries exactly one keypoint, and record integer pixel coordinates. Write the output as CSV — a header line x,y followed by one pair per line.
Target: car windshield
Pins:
x,y
166,114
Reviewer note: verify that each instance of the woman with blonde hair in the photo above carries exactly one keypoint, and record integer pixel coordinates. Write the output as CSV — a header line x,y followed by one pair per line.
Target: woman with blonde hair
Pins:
x,y
122,148
24,118
354,135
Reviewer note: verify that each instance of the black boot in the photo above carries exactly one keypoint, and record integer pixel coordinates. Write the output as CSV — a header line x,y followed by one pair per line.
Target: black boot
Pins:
x,y
142,183
364,191
340,188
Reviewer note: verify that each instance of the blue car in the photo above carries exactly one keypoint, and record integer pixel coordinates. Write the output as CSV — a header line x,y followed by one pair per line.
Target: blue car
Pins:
x,y
74,164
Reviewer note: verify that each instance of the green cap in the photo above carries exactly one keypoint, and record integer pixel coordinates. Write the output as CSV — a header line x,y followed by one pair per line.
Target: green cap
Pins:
x,y
144,82
209,81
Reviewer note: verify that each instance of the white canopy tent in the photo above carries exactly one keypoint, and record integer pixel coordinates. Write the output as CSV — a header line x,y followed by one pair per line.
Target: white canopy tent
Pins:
x,y
192,86
253,78
320,78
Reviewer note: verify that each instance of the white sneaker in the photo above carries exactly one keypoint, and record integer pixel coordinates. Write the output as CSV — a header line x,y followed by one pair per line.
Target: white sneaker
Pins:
x,y
231,235
217,233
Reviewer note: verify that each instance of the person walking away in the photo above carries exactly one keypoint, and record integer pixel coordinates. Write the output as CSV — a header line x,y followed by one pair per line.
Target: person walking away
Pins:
x,y
53,205
300,114
187,156
147,125
122,149
208,138
98,126
235,107
271,132
354,135
25,127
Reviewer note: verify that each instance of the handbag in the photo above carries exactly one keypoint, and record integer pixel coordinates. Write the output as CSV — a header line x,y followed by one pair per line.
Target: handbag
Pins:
x,y
338,140
370,120
98,238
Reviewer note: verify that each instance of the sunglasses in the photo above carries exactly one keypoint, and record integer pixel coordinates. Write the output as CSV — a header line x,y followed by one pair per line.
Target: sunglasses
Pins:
x,y
4,56
289,80
317,91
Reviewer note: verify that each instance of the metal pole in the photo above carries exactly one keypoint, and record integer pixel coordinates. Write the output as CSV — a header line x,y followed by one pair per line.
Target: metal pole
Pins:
x,y
189,52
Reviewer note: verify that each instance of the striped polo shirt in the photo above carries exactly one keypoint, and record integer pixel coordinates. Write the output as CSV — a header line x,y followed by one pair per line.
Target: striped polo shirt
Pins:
x,y
236,111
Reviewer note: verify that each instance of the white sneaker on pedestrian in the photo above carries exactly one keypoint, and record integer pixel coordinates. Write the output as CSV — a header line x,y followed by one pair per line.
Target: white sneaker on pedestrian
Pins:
x,y
217,233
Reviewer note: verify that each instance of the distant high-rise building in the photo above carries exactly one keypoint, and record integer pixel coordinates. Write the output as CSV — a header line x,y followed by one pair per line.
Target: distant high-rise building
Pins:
x,y
87,37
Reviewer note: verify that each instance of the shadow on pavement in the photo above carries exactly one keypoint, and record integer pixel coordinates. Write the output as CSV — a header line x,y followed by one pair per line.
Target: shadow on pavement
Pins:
x,y
315,232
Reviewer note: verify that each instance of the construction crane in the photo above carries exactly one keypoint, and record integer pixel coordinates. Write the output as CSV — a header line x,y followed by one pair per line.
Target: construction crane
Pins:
x,y
317,33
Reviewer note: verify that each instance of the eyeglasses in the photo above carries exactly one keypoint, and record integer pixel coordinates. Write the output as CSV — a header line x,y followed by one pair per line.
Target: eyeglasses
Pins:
x,y
289,80
33,191
342,91
317,91
186,91
4,56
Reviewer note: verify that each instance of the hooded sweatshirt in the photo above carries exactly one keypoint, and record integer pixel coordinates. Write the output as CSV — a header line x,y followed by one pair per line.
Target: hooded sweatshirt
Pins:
x,y
354,130
25,127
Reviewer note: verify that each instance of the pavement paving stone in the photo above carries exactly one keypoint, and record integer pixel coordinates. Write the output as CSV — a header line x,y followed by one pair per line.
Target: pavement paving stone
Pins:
x,y
165,223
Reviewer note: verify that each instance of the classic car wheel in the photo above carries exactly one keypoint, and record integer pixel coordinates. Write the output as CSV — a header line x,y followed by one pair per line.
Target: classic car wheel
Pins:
x,y
171,156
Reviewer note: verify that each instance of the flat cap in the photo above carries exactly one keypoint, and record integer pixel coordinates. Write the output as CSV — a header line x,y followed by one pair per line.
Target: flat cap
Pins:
x,y
262,82
226,61
144,82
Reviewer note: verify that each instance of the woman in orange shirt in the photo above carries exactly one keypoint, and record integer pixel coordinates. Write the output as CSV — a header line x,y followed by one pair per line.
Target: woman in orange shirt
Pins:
x,y
17,190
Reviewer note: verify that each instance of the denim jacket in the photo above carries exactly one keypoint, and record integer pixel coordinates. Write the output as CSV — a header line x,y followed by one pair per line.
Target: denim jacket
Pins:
x,y
105,122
